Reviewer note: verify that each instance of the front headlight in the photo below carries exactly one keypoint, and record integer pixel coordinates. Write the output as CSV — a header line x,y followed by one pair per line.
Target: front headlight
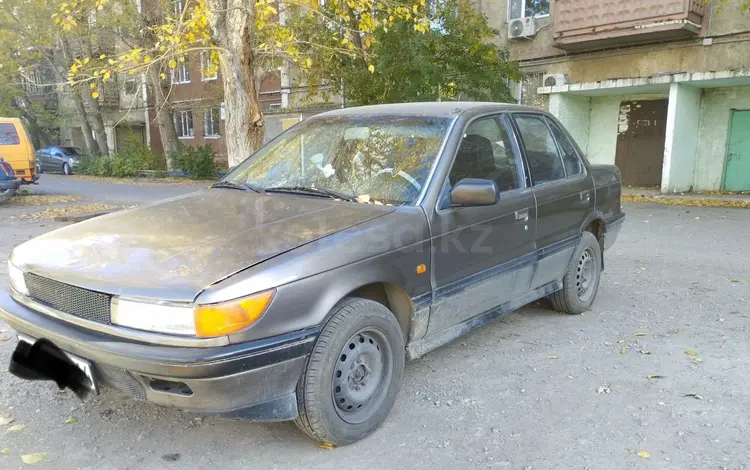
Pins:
x,y
191,320
17,282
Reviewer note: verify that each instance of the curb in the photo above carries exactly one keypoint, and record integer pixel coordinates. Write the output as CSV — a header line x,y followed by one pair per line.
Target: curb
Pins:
x,y
81,217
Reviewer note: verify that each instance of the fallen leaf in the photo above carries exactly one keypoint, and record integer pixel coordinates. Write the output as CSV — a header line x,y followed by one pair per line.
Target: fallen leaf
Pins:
x,y
378,203
590,309
696,360
363,198
620,341
644,454
651,377
690,352
4,337
645,352
694,395
631,450
603,389
325,445
623,350
33,458
71,420
5,420
16,427
640,333
5,450
551,356
734,280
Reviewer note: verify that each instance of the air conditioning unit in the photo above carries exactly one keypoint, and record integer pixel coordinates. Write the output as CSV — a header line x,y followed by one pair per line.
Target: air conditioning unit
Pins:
x,y
521,28
554,79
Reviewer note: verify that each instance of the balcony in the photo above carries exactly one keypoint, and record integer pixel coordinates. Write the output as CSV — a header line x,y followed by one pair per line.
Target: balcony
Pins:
x,y
598,24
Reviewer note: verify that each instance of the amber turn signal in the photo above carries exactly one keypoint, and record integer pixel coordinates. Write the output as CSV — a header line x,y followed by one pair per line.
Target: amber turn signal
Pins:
x,y
228,317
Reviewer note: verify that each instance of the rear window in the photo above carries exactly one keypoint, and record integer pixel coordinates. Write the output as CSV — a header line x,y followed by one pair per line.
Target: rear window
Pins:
x,y
70,151
8,134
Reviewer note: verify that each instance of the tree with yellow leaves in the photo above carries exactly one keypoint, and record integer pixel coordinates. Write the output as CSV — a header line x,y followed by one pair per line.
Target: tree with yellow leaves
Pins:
x,y
244,36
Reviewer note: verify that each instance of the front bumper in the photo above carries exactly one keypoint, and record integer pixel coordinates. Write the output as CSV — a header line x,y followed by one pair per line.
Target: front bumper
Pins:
x,y
254,380
10,184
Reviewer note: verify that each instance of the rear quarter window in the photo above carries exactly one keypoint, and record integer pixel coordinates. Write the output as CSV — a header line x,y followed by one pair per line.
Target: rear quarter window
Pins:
x,y
8,134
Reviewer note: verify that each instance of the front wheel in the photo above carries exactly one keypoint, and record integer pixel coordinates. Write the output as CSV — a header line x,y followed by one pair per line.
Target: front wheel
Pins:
x,y
66,169
353,375
581,281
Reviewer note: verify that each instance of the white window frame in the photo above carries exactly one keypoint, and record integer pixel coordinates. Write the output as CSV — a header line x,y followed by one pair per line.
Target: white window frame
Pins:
x,y
523,9
181,73
215,131
184,124
205,62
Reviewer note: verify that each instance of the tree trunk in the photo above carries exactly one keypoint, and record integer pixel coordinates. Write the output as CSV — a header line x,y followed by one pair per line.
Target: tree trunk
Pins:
x,y
95,119
232,24
92,148
163,109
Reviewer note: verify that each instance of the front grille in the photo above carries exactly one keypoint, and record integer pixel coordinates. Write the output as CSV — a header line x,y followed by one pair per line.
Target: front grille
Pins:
x,y
82,303
121,380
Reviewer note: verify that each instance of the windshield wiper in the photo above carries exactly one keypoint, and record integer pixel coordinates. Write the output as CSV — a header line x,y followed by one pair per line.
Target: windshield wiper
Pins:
x,y
236,185
311,191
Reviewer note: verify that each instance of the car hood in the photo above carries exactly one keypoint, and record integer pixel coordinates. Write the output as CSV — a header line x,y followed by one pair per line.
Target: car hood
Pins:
x,y
173,249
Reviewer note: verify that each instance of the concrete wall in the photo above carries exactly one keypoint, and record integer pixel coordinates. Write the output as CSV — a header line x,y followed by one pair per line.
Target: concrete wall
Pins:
x,y
605,114
574,113
683,120
715,113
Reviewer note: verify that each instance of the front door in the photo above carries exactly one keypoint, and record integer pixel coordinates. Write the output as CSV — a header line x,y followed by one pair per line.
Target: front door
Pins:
x,y
483,256
737,173
641,132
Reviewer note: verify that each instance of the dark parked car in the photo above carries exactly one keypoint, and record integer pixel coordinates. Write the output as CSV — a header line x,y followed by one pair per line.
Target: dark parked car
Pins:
x,y
296,287
8,181
62,159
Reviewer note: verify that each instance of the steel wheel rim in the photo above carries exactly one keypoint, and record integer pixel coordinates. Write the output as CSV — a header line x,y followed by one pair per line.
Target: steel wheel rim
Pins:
x,y
362,375
586,273
66,169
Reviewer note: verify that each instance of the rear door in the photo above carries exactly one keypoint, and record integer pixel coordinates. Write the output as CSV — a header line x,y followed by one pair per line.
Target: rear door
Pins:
x,y
484,256
563,190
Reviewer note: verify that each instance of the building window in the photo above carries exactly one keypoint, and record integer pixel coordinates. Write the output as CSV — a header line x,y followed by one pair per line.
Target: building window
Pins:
x,y
183,123
179,5
131,86
209,69
181,73
211,118
524,8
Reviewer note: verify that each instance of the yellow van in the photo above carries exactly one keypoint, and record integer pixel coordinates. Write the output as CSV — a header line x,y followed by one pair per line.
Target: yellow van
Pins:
x,y
16,148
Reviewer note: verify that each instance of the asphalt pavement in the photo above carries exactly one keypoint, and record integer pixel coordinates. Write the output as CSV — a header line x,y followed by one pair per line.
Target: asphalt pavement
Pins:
x,y
654,376
113,191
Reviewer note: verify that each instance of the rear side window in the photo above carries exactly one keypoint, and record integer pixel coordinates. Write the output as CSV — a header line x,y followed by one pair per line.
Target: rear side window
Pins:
x,y
569,155
8,134
545,163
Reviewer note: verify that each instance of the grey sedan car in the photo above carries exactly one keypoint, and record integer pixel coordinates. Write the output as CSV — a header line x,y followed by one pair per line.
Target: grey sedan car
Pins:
x,y
58,159
296,287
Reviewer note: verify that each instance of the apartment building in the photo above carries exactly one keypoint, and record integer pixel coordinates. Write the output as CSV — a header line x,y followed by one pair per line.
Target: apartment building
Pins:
x,y
659,87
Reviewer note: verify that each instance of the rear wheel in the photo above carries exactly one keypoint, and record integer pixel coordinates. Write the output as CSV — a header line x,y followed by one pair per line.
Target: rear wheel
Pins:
x,y
6,194
38,168
353,375
581,281
66,169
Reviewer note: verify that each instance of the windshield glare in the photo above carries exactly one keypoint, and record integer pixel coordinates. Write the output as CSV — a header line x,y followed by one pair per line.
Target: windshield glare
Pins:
x,y
379,159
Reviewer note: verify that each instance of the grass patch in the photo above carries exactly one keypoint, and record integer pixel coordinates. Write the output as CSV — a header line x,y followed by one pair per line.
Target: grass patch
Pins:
x,y
687,201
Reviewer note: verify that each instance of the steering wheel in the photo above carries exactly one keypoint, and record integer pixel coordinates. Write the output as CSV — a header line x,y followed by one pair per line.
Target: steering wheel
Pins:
x,y
404,175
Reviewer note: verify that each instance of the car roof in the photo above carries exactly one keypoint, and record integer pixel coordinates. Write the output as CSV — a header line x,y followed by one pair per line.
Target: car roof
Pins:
x,y
437,109
6,120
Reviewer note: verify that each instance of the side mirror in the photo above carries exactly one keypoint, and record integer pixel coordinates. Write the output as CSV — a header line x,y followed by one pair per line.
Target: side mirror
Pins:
x,y
474,192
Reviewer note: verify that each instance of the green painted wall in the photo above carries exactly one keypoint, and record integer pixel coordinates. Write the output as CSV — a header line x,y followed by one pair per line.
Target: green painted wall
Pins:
x,y
713,132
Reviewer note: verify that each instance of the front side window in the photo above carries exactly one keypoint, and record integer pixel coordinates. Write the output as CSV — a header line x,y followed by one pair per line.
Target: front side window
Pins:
x,y
545,163
183,123
211,119
383,159
486,152
8,134
523,8
571,161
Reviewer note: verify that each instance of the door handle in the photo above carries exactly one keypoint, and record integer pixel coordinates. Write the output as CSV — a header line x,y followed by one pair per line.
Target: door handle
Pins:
x,y
522,215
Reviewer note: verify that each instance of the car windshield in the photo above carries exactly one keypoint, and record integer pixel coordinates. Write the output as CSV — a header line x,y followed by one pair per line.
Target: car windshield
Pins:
x,y
378,159
70,151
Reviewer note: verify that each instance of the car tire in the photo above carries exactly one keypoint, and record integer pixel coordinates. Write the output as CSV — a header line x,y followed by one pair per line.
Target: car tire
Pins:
x,y
66,169
581,280
38,169
353,374
6,194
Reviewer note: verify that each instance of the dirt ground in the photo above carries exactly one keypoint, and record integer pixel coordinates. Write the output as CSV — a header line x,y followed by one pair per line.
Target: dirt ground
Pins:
x,y
534,390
